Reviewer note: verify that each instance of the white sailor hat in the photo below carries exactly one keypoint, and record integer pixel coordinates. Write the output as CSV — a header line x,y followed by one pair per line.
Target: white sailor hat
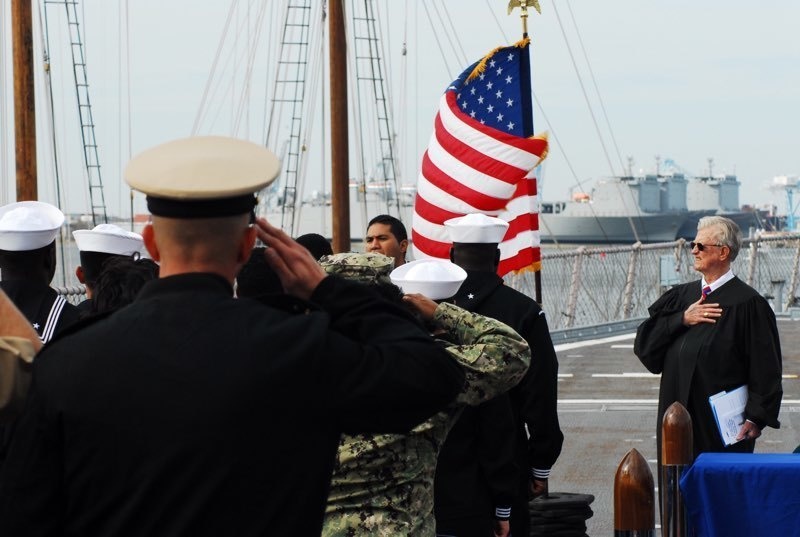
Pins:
x,y
202,176
108,239
434,278
28,225
476,227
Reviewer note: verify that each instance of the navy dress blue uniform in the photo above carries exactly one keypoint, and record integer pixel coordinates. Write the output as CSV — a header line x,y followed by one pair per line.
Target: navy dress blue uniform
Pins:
x,y
501,470
202,414
190,412
48,312
28,231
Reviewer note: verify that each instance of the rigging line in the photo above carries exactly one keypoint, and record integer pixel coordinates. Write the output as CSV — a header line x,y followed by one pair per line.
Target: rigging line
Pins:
x,y
307,112
129,103
273,31
402,134
438,43
569,166
354,89
231,63
387,91
276,111
464,58
383,110
120,97
44,30
594,83
45,37
583,89
4,158
556,140
248,77
204,98
493,12
594,119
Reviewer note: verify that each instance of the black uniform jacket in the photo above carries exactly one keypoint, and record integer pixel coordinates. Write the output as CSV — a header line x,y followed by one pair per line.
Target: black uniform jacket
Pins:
x,y
48,312
193,413
742,347
488,448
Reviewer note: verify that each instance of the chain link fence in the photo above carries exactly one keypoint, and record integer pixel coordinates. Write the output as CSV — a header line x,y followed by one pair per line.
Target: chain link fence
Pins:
x,y
596,285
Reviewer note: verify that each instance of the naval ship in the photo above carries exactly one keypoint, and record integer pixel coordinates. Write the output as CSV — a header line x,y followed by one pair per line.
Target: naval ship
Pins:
x,y
648,208
622,209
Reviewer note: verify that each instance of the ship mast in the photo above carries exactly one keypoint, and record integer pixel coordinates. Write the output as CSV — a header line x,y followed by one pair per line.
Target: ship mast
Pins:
x,y
24,103
340,165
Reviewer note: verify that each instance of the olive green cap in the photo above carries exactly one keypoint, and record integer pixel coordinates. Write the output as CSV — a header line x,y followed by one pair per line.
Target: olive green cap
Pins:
x,y
360,267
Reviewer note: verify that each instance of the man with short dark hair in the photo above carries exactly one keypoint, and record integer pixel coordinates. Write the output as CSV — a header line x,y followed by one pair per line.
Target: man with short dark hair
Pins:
x,y
96,246
387,235
191,412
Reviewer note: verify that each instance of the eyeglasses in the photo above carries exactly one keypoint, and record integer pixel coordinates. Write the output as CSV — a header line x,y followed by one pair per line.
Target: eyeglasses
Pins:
x,y
700,246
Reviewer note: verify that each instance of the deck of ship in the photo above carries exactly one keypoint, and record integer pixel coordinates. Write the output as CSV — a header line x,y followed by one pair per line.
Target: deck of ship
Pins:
x,y
607,405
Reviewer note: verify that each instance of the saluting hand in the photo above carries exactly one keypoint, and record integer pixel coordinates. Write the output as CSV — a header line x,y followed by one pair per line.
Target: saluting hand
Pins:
x,y
299,273
700,312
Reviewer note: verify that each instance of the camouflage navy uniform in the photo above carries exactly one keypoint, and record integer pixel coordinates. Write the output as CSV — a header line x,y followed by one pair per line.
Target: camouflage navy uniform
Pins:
x,y
383,483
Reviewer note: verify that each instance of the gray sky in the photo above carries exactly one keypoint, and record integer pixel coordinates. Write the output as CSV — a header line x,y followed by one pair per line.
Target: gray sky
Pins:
x,y
684,80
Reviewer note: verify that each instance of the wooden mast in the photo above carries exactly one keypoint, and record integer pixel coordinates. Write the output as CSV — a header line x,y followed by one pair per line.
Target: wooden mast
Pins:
x,y
340,165
24,103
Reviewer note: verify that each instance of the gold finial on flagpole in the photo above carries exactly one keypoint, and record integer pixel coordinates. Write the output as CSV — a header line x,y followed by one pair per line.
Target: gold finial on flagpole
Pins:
x,y
523,6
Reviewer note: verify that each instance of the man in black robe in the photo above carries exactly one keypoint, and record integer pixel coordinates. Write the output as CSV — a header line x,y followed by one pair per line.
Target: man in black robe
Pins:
x,y
489,465
712,335
191,412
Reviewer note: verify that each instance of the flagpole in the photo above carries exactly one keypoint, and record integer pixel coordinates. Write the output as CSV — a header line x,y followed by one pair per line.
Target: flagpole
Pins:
x,y
523,6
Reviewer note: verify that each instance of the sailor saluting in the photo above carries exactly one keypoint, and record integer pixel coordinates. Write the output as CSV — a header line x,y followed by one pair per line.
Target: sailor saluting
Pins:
x,y
191,412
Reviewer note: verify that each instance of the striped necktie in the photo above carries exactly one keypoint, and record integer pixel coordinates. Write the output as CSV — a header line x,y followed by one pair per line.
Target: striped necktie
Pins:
x,y
706,291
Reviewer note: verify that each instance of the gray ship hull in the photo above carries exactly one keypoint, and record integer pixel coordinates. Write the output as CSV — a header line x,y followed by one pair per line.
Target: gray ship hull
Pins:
x,y
746,220
661,227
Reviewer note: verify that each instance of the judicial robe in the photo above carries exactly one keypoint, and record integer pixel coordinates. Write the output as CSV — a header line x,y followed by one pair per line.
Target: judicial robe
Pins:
x,y
486,461
695,362
190,412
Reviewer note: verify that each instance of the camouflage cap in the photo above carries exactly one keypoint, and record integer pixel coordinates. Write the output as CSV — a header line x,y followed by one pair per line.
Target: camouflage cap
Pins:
x,y
360,267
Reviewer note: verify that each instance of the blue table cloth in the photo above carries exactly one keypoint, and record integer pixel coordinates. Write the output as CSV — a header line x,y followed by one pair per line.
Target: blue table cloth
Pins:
x,y
751,494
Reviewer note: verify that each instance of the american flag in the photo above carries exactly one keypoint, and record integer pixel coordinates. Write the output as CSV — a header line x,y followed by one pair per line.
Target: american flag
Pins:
x,y
481,158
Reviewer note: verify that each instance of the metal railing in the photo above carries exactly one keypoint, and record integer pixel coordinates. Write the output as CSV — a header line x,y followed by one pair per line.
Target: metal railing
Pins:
x,y
599,285
595,291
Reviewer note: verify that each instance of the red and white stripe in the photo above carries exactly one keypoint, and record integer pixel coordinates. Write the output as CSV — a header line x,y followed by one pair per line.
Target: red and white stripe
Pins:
x,y
469,168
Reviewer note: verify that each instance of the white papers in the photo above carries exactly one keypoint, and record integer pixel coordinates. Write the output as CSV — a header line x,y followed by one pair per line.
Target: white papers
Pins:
x,y
728,409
